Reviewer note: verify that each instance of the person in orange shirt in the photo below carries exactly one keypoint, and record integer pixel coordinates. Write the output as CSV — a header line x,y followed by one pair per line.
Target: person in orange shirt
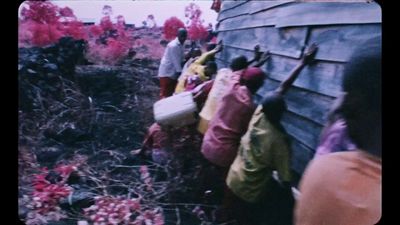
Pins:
x,y
345,188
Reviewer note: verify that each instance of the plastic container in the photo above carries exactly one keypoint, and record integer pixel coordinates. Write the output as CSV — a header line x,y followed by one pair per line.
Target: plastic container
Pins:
x,y
176,111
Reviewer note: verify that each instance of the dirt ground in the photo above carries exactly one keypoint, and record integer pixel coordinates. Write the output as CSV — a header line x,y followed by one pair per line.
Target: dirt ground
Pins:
x,y
93,123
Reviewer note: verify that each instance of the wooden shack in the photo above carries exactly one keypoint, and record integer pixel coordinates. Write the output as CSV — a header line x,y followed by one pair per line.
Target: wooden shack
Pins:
x,y
285,28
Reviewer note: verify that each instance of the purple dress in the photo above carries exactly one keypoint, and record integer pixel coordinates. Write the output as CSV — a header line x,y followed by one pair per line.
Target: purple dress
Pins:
x,y
335,138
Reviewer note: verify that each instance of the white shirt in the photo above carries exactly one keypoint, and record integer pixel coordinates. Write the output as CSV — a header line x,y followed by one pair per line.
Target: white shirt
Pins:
x,y
171,60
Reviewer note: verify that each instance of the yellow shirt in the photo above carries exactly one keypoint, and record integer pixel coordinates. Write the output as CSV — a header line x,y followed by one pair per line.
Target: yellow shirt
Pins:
x,y
262,150
196,68
217,91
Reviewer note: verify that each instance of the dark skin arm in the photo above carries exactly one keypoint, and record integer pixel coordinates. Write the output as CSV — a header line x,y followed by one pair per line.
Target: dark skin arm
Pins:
x,y
264,58
257,55
306,59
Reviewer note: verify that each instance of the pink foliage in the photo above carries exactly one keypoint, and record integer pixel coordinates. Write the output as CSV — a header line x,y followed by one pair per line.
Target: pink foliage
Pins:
x,y
66,12
111,53
46,195
40,12
193,12
106,24
120,21
41,24
171,27
109,43
196,30
95,31
118,210
75,29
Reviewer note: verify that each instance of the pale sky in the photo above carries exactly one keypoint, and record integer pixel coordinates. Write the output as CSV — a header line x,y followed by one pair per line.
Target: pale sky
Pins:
x,y
137,11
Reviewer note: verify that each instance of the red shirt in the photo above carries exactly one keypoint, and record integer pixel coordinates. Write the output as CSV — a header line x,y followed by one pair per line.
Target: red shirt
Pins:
x,y
222,139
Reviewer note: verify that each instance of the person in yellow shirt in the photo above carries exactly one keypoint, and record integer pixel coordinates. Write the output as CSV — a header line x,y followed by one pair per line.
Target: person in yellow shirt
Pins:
x,y
200,68
264,148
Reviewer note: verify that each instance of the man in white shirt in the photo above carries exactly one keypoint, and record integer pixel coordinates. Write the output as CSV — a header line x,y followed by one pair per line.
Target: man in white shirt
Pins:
x,y
171,64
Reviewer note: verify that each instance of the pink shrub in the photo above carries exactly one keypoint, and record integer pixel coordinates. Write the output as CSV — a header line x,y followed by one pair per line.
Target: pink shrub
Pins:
x,y
66,12
42,24
75,29
171,27
196,30
46,195
119,210
106,24
95,31
43,12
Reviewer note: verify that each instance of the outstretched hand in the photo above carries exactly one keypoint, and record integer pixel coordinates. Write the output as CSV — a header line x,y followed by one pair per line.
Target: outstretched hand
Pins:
x,y
219,47
309,54
265,56
257,53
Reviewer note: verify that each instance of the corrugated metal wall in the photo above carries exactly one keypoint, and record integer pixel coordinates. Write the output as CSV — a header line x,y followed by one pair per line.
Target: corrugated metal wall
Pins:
x,y
285,28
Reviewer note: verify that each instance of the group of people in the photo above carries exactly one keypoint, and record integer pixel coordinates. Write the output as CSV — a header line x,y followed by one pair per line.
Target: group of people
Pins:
x,y
246,144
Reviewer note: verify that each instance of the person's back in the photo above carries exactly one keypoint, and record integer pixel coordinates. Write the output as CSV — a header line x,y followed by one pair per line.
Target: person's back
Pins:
x,y
263,148
341,188
173,52
231,120
218,90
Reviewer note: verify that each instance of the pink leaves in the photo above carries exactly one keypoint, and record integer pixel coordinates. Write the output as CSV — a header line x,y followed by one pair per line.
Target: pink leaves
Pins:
x,y
171,27
66,12
40,12
106,24
44,23
95,31
118,210
196,30
145,176
46,195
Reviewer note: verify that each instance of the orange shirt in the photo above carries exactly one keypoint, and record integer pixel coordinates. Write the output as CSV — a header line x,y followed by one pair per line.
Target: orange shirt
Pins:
x,y
342,188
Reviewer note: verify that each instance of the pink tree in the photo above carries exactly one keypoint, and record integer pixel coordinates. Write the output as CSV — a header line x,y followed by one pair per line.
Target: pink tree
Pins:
x,y
196,30
171,27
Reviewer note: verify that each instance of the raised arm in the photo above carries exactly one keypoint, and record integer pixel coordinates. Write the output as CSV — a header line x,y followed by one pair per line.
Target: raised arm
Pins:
x,y
306,59
264,57
205,56
257,55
